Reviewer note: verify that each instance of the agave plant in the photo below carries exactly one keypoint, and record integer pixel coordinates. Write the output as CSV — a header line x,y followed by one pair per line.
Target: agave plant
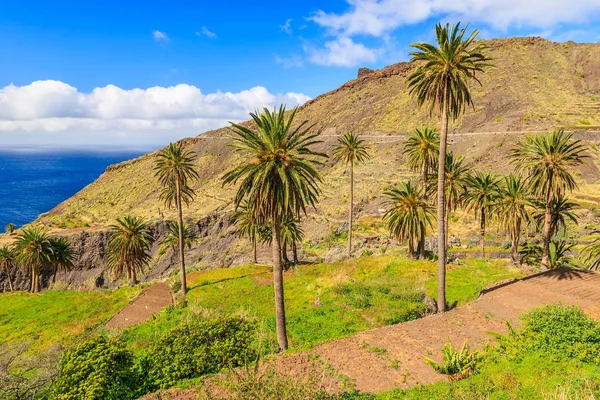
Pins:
x,y
457,364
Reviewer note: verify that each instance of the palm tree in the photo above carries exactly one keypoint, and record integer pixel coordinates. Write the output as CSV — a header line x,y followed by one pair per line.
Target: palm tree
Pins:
x,y
10,228
408,215
128,247
442,81
481,197
350,150
422,151
514,206
247,226
174,168
291,234
548,161
590,254
561,211
455,181
171,239
63,257
7,262
278,178
559,254
34,253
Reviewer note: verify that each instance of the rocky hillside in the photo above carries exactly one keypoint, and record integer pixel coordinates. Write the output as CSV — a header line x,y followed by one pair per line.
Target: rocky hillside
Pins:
x,y
536,85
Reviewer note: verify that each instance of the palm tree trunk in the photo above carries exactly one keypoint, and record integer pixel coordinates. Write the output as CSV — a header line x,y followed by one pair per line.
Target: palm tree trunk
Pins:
x,y
441,206
278,288
547,223
422,242
411,249
514,251
351,213
254,257
181,249
425,173
446,219
10,285
295,251
482,233
284,257
133,277
54,275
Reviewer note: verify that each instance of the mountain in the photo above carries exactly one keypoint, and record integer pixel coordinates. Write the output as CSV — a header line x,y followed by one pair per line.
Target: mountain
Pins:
x,y
535,85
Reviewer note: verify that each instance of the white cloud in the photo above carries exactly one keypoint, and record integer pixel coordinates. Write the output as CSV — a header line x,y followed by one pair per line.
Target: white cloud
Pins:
x,y
342,52
160,37
289,62
206,32
378,18
287,27
51,111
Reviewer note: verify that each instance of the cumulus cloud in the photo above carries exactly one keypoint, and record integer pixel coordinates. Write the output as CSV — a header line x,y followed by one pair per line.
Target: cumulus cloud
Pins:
x,y
342,52
378,18
47,110
206,32
160,37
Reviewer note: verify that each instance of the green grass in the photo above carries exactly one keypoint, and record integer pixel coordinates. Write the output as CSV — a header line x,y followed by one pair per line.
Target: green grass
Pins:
x,y
57,316
326,301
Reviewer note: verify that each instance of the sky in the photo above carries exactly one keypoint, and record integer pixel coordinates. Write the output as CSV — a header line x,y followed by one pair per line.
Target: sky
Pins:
x,y
143,73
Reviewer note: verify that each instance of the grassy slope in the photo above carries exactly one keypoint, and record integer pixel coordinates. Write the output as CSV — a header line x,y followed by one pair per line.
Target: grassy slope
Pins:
x,y
353,296
57,316
536,85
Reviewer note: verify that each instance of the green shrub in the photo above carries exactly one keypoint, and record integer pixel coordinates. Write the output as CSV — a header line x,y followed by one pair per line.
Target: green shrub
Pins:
x,y
457,364
98,368
176,287
199,348
559,331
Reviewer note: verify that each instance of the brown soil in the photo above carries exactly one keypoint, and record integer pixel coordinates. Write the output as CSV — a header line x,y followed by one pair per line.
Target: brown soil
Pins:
x,y
392,357
152,300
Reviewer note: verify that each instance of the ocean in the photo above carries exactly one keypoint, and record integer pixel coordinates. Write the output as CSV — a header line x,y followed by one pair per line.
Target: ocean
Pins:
x,y
35,180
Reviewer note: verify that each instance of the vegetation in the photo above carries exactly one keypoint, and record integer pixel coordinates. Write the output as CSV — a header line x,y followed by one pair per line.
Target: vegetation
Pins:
x,y
457,364
548,161
7,263
63,257
247,226
171,239
408,216
128,248
441,80
350,150
34,253
422,151
514,208
278,179
481,197
590,253
10,228
174,168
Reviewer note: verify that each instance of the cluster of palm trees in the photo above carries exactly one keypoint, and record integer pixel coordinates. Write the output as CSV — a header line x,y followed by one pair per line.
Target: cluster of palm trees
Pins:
x,y
34,251
518,201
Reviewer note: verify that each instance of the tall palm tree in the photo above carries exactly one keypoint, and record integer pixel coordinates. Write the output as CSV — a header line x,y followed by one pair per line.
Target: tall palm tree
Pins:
x,y
174,168
481,197
7,263
171,239
128,247
291,234
548,161
350,150
441,79
247,226
422,151
63,257
278,178
408,215
34,252
456,174
561,211
514,207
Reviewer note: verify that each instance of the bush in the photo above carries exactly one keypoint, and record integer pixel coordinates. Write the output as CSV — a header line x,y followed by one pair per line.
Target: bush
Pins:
x,y
176,287
457,364
99,368
560,332
199,348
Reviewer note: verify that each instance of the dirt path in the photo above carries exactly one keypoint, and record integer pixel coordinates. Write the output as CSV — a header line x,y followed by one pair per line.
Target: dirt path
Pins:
x,y
392,357
152,300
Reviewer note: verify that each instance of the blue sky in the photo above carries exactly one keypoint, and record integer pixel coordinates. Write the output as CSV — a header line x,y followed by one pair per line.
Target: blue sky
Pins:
x,y
79,72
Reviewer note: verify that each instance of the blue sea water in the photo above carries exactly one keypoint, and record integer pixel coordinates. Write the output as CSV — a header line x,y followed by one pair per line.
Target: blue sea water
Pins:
x,y
34,180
